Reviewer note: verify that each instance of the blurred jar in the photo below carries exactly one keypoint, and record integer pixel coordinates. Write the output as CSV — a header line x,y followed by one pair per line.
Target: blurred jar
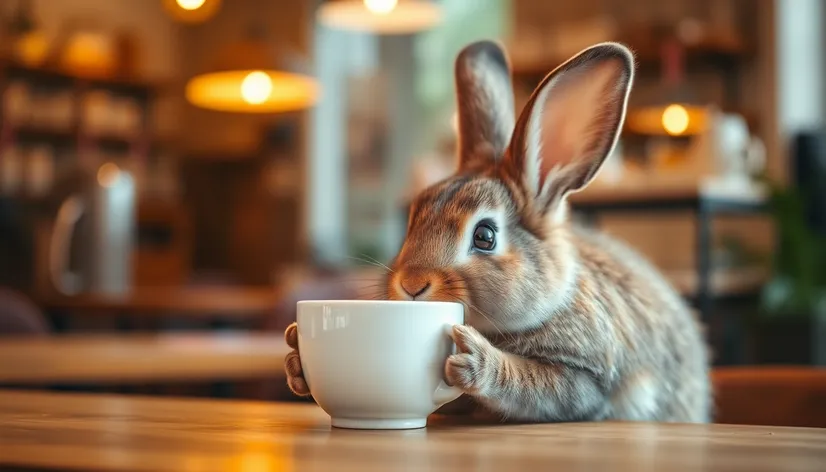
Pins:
x,y
126,114
17,103
61,107
96,112
11,170
90,52
41,170
32,48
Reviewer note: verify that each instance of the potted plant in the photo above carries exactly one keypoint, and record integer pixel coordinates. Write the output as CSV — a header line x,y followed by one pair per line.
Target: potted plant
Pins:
x,y
791,323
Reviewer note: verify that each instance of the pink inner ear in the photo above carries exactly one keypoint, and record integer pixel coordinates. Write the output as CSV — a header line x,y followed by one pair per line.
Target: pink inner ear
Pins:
x,y
577,119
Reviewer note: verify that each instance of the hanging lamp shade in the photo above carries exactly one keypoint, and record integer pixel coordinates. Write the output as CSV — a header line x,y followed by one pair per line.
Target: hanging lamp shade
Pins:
x,y
243,80
380,16
675,112
191,11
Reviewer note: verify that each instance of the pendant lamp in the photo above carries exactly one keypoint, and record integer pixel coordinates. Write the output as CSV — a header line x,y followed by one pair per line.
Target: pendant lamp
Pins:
x,y
243,80
191,11
676,112
386,17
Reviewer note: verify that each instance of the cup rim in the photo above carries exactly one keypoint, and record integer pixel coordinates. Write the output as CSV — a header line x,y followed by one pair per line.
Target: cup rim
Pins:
x,y
378,302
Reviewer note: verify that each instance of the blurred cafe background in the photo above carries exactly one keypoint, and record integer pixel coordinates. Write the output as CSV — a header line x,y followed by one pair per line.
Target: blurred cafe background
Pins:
x,y
176,174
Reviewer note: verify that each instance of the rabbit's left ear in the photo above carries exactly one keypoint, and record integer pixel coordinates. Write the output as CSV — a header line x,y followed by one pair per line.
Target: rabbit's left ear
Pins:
x,y
571,124
484,97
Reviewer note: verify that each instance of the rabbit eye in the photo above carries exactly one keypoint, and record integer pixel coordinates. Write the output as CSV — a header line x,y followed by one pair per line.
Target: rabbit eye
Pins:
x,y
484,237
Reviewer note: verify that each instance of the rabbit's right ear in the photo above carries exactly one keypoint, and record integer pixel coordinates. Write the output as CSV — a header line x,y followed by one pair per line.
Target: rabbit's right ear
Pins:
x,y
571,124
484,96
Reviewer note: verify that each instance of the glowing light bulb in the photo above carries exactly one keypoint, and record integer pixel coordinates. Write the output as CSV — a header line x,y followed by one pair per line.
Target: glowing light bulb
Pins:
x,y
380,7
256,88
190,5
675,120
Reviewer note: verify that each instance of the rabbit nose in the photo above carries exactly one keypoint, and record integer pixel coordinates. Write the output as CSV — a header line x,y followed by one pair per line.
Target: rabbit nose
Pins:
x,y
415,284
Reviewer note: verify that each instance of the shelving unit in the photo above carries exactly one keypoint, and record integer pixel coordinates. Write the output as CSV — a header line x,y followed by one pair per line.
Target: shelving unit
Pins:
x,y
73,119
704,286
708,50
252,227
53,122
723,54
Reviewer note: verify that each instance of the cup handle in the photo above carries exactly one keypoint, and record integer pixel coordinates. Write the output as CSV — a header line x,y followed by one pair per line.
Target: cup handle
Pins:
x,y
445,393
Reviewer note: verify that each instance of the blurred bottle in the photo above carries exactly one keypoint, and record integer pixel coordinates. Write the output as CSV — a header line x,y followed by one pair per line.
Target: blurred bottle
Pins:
x,y
11,170
102,211
40,171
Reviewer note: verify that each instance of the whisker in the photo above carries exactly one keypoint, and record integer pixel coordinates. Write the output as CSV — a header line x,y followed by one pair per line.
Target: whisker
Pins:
x,y
508,336
486,316
379,262
372,261
376,264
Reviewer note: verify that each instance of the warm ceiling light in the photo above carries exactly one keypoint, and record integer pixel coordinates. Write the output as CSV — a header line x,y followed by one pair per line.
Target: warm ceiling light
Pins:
x,y
256,87
380,16
191,4
252,91
675,119
243,78
676,111
380,7
191,11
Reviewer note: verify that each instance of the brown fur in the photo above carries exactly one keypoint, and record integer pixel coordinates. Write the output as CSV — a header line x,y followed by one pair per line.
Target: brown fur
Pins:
x,y
562,324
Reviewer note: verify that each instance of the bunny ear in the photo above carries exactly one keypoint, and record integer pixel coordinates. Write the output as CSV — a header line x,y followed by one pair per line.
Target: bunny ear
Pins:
x,y
571,124
484,97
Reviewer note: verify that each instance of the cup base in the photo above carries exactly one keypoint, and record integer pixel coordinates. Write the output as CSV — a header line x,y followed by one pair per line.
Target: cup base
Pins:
x,y
350,423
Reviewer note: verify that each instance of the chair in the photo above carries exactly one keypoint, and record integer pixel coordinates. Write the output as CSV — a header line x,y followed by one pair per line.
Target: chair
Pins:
x,y
19,316
771,395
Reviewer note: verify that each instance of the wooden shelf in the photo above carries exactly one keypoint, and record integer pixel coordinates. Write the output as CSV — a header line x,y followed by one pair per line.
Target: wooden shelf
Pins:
x,y
52,136
51,76
711,49
724,282
69,137
57,75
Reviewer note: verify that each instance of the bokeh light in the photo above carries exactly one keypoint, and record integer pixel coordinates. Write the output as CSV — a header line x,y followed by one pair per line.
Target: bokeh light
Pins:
x,y
256,87
380,7
675,120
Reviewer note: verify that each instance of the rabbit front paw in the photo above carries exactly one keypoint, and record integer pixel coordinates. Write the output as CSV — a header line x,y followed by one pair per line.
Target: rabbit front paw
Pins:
x,y
292,364
474,367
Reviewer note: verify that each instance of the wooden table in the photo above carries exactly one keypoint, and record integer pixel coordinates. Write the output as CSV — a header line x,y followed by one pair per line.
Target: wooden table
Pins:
x,y
190,301
105,432
122,359
220,305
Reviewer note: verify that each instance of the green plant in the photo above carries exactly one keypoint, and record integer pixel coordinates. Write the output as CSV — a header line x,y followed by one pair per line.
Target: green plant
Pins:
x,y
798,283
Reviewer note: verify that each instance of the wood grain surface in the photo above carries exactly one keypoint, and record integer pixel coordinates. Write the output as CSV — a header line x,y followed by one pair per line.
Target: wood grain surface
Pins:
x,y
106,432
193,302
128,358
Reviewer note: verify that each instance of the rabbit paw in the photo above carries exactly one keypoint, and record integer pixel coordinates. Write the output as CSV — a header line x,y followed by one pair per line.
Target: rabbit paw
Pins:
x,y
474,366
292,364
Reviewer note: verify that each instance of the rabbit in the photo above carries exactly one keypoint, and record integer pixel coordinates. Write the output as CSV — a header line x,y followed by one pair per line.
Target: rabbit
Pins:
x,y
562,323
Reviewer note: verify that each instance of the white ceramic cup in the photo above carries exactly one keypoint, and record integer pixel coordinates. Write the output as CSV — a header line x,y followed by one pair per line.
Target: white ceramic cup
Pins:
x,y
377,364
